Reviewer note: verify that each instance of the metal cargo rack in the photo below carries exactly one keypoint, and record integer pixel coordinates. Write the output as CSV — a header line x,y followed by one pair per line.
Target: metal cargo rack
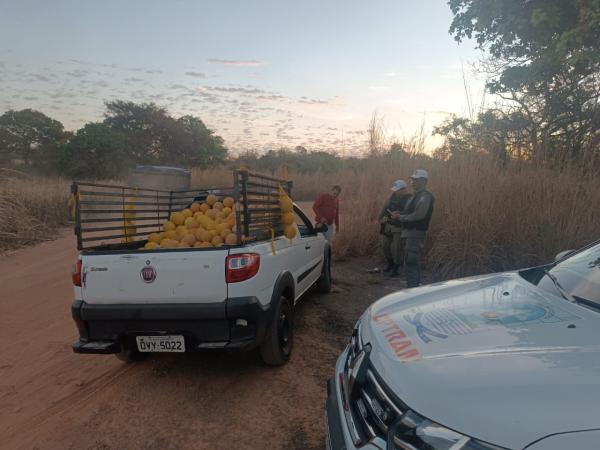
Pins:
x,y
109,217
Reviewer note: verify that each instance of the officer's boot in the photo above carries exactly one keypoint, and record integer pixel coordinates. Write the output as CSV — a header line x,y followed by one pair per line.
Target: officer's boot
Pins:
x,y
388,267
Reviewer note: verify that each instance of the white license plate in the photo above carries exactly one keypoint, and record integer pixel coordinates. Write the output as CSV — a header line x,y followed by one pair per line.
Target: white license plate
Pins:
x,y
173,343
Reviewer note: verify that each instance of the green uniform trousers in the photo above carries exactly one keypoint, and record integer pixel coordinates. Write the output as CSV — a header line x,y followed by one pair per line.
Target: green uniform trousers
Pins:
x,y
393,248
412,260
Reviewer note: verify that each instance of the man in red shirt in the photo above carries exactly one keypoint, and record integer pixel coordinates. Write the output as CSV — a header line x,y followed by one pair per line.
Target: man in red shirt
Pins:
x,y
327,210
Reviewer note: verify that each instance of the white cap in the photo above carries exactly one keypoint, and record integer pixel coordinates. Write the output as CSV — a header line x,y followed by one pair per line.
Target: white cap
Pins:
x,y
398,184
420,173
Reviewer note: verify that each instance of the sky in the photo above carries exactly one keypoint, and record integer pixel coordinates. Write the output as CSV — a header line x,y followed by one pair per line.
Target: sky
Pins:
x,y
261,74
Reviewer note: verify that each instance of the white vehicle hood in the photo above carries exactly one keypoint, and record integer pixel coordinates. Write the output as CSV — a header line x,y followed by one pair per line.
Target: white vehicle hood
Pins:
x,y
493,357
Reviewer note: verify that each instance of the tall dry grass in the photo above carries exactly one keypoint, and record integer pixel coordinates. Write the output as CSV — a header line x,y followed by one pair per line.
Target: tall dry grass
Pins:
x,y
486,218
31,207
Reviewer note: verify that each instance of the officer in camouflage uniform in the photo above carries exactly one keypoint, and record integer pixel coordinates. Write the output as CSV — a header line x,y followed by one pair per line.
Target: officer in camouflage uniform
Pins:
x,y
391,229
415,223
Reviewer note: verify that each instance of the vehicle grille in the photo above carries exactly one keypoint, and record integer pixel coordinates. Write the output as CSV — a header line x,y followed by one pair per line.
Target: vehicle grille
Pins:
x,y
374,411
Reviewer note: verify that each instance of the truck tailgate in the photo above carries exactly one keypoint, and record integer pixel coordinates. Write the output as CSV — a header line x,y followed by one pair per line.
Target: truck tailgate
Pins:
x,y
154,277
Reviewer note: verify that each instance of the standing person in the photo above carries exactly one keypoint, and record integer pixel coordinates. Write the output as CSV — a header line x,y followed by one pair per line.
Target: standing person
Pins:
x,y
415,223
392,241
327,210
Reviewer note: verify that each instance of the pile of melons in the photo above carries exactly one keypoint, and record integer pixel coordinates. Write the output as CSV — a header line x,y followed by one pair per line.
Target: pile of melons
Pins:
x,y
202,225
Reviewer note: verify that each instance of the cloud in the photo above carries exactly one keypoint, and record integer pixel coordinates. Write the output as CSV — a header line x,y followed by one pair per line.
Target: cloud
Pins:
x,y
196,74
238,90
133,80
145,70
313,101
78,73
237,62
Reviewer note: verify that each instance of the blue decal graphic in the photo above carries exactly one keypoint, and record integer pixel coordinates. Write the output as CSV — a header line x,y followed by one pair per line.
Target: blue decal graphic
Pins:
x,y
438,324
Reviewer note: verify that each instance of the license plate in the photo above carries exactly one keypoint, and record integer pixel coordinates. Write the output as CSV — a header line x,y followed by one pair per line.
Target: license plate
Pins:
x,y
160,343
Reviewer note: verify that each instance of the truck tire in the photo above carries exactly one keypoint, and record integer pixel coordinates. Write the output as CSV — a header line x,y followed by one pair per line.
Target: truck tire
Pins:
x,y
324,281
279,339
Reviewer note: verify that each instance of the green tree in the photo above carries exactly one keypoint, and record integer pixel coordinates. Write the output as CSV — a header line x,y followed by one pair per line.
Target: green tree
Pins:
x,y
95,151
200,145
154,137
545,62
31,137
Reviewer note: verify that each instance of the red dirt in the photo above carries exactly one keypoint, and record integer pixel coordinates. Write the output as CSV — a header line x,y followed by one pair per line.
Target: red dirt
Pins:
x,y
51,398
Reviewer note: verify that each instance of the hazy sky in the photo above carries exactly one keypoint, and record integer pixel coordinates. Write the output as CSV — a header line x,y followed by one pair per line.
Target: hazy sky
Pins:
x,y
263,74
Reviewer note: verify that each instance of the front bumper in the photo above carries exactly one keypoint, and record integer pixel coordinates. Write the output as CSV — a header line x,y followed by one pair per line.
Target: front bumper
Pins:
x,y
236,323
336,420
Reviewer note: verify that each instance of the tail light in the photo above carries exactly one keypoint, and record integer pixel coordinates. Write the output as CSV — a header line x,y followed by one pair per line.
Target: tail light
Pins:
x,y
241,267
76,274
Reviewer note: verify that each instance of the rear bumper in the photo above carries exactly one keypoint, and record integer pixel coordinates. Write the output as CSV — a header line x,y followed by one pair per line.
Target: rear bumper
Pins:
x,y
236,323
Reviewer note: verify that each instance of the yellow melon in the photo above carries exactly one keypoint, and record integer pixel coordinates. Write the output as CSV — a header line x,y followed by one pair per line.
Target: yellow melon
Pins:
x,y
210,225
204,207
195,207
224,232
154,237
190,223
211,199
198,233
287,218
197,215
213,233
151,245
189,239
228,201
231,239
170,234
290,231
181,231
226,211
218,206
286,204
187,213
211,213
206,236
169,243
177,218
216,240
168,225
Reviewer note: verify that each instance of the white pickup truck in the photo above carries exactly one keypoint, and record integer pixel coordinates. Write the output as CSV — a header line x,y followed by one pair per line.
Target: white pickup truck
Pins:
x,y
130,302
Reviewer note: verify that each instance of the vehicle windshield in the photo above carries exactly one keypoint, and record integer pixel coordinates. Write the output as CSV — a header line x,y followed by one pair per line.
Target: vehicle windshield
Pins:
x,y
578,275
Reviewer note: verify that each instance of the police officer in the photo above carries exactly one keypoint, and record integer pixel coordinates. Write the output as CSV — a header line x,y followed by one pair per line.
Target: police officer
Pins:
x,y
415,223
391,230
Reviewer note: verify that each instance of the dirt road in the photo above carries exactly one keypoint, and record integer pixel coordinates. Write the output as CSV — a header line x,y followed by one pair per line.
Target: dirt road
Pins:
x,y
51,398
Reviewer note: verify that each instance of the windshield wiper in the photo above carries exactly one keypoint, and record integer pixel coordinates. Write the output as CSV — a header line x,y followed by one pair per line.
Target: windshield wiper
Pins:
x,y
586,302
559,288
569,297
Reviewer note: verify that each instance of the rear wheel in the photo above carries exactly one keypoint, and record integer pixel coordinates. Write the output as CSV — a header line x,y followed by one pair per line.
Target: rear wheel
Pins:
x,y
277,346
324,281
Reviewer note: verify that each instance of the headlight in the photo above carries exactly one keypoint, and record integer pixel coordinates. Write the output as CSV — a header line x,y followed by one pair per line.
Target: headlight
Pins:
x,y
414,431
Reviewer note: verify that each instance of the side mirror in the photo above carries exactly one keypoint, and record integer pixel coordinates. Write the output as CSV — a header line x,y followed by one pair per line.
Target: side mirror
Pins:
x,y
321,228
562,255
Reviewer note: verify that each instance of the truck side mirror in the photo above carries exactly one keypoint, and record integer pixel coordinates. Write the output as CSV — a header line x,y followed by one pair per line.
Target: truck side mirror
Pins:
x,y
562,255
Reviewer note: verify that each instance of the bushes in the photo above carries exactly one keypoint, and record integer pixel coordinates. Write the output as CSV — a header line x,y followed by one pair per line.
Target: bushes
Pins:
x,y
30,208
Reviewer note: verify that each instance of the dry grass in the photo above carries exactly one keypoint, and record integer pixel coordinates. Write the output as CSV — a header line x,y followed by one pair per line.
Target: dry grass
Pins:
x,y
486,218
30,208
